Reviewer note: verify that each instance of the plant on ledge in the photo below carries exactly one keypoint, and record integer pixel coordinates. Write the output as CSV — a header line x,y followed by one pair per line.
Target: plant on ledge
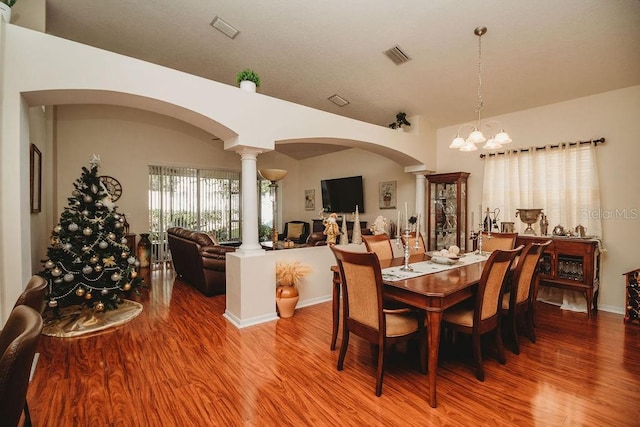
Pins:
x,y
248,75
288,276
9,3
401,120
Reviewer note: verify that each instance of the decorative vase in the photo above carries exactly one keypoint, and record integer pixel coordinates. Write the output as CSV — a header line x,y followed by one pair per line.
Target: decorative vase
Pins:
x,y
248,85
5,11
287,297
144,250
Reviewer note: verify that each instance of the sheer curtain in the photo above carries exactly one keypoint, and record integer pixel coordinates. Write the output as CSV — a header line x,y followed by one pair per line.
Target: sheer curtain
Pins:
x,y
563,181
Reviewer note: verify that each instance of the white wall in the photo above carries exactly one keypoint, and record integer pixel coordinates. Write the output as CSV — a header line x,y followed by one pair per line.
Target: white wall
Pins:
x,y
613,115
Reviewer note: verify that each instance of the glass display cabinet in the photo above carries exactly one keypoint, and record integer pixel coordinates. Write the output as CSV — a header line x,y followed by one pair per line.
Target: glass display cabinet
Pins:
x,y
447,216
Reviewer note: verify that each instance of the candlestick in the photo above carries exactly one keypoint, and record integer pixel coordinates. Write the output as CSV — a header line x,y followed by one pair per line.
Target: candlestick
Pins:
x,y
406,215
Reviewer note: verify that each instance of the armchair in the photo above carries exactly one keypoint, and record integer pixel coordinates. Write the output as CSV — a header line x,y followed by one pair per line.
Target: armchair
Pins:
x,y
297,231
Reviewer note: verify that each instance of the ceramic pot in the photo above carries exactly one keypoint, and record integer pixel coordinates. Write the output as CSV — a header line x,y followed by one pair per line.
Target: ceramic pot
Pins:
x,y
248,85
286,300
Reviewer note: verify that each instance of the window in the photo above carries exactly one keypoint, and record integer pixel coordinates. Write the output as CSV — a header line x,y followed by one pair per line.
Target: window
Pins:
x,y
197,199
563,181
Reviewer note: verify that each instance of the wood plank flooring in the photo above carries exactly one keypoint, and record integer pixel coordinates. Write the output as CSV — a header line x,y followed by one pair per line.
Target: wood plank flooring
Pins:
x,y
180,363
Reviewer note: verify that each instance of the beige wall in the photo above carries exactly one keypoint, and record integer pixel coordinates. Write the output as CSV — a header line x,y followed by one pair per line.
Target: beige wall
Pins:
x,y
613,115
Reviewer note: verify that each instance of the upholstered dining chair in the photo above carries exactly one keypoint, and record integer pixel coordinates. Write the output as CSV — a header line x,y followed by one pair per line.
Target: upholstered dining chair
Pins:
x,y
412,243
364,315
33,294
18,343
502,241
483,316
521,297
380,244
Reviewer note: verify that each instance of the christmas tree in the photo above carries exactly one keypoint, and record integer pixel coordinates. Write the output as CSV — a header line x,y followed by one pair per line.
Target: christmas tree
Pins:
x,y
88,260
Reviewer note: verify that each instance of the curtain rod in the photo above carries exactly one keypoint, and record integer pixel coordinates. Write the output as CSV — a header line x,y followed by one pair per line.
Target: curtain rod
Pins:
x,y
594,141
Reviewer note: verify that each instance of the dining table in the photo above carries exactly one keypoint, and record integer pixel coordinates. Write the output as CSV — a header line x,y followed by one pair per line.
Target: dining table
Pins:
x,y
431,292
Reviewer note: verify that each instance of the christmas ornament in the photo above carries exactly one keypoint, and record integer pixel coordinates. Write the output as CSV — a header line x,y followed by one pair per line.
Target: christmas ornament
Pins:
x,y
73,227
57,229
93,259
88,199
53,303
111,236
109,262
134,274
88,295
49,264
117,225
86,248
116,277
124,255
98,268
94,189
103,244
98,204
100,306
127,286
87,231
80,291
75,193
67,246
56,272
104,291
117,216
85,212
58,280
87,269
123,240
131,260
68,277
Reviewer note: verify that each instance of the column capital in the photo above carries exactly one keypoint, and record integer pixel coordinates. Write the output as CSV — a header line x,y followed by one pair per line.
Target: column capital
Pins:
x,y
248,153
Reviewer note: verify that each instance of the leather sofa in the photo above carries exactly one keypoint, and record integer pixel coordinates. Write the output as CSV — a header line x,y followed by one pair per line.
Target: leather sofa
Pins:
x,y
198,261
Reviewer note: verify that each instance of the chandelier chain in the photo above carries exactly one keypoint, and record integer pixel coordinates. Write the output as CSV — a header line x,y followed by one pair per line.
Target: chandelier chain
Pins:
x,y
480,100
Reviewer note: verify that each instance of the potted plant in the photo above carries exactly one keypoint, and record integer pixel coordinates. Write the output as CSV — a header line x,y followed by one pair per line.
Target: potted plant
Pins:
x,y
248,80
401,120
289,274
5,9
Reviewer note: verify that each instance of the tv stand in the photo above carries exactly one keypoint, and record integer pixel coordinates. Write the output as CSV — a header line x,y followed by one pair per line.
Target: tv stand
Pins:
x,y
318,225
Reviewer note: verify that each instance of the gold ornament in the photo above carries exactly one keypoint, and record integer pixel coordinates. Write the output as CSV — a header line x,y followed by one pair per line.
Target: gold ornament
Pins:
x,y
134,274
109,262
80,292
98,268
100,306
127,286
88,295
124,255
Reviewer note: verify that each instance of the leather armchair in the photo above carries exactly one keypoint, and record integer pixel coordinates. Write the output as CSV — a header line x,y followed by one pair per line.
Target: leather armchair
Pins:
x,y
292,228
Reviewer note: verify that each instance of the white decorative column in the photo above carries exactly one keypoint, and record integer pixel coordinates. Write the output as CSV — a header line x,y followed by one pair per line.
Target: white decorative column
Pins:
x,y
421,185
250,238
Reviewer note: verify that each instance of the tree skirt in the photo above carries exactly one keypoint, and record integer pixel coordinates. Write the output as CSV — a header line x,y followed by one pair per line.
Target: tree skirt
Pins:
x,y
78,320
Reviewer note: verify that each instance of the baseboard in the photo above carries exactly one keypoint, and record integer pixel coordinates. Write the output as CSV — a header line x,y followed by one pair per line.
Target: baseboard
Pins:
x,y
244,323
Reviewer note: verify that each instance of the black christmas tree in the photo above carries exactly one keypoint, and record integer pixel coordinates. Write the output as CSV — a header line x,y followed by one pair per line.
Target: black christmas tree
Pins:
x,y
88,261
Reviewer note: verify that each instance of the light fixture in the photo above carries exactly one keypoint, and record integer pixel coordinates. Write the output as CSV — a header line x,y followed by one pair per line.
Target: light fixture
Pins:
x,y
224,27
338,100
475,136
274,175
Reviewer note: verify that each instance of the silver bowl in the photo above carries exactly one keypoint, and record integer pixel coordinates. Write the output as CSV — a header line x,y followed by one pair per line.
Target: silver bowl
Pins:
x,y
529,216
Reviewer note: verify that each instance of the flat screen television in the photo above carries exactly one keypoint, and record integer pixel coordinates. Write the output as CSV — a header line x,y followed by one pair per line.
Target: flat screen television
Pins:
x,y
341,195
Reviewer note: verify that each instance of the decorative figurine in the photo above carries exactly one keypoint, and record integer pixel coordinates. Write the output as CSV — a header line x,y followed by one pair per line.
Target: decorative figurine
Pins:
x,y
379,225
331,229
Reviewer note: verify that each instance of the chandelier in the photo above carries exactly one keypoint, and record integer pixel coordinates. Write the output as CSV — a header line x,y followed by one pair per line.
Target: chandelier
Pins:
x,y
498,139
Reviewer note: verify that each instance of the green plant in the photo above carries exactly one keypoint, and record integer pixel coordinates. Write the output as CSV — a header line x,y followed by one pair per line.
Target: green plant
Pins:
x,y
401,120
9,3
250,75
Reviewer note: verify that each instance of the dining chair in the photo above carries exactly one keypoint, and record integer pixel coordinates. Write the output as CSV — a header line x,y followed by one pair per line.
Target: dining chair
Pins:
x,y
33,294
18,343
380,244
365,316
502,241
521,297
483,316
412,243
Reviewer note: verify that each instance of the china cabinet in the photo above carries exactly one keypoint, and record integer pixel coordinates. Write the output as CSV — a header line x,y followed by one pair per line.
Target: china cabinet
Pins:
x,y
632,298
447,216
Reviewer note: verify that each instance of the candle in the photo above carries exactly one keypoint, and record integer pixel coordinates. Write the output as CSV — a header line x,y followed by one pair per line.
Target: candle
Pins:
x,y
406,215
398,224
473,224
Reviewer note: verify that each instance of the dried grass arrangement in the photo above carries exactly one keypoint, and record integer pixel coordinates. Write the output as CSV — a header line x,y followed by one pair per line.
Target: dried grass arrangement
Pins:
x,y
290,273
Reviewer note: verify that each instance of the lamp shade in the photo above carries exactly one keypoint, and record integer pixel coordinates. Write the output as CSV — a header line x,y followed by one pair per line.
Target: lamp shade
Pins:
x,y
273,175
502,138
492,144
468,146
476,137
458,142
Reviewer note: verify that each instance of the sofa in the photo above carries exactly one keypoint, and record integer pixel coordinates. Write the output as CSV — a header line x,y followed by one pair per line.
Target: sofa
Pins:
x,y
198,260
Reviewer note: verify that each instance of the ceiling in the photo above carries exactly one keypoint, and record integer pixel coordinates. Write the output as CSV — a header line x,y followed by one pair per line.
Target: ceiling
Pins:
x,y
534,53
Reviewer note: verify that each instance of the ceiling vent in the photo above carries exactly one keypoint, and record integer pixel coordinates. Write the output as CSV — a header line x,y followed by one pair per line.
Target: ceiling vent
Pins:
x,y
222,26
338,100
397,55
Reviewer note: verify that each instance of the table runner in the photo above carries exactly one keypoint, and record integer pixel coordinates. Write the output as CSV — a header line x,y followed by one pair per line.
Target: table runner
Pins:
x,y
394,274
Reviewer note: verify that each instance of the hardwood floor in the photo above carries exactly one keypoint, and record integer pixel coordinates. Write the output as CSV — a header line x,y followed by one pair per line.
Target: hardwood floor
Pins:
x,y
180,363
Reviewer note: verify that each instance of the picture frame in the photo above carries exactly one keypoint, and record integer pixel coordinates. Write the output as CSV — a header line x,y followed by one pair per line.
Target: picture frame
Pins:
x,y
387,195
309,200
35,179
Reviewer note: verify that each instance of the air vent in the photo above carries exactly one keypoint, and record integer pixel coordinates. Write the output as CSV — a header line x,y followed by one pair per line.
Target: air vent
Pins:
x,y
397,55
222,26
338,100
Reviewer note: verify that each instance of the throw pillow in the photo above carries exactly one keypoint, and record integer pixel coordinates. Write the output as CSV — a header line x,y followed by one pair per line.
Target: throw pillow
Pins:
x,y
213,238
294,231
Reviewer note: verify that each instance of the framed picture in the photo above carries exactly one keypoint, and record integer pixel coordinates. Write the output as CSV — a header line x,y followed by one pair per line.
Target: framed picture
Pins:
x,y
309,200
35,179
387,195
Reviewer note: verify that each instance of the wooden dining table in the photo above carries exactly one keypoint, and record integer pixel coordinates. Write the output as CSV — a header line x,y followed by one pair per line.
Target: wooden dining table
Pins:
x,y
433,293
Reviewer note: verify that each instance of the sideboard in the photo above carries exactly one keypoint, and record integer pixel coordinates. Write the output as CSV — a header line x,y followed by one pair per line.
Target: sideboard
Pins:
x,y
570,263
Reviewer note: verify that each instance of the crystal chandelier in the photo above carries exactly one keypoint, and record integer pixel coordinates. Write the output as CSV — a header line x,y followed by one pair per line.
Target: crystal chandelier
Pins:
x,y
498,139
